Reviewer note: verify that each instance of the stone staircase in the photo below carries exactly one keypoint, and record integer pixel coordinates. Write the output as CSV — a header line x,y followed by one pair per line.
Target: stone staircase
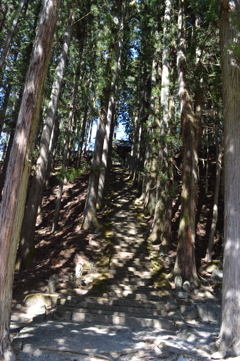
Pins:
x,y
123,316
131,299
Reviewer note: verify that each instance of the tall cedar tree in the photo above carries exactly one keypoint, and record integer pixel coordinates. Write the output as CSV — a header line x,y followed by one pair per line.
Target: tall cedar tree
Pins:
x,y
14,194
185,262
90,212
26,245
230,60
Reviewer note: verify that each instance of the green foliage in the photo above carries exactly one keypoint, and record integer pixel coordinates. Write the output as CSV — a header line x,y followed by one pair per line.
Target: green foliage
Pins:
x,y
71,174
173,190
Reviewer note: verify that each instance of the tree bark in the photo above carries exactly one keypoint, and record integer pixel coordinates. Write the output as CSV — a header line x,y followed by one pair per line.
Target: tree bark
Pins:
x,y
219,154
101,151
90,220
115,72
15,189
185,262
160,228
11,33
67,138
230,39
26,245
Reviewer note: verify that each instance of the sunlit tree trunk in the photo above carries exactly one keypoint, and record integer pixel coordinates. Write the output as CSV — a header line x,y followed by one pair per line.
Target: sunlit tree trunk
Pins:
x,y
84,125
160,226
230,50
15,189
100,156
185,262
151,142
111,104
26,245
67,138
90,220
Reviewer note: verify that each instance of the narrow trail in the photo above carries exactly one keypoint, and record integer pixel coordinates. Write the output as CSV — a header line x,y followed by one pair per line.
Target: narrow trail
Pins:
x,y
127,319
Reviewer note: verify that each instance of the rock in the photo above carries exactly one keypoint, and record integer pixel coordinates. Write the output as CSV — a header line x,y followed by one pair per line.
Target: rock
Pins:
x,y
209,294
189,312
181,358
186,286
175,315
167,259
218,355
209,313
217,275
211,267
178,282
17,344
183,295
171,304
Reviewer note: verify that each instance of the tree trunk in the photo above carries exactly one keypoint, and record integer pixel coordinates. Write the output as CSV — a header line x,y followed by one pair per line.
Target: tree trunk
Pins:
x,y
5,104
230,39
66,147
115,72
90,211
160,228
15,189
11,33
219,154
26,245
207,161
96,185
185,262
84,125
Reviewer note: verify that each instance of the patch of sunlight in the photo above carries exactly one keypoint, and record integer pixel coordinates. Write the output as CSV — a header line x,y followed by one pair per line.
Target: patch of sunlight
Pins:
x,y
99,330
61,341
59,326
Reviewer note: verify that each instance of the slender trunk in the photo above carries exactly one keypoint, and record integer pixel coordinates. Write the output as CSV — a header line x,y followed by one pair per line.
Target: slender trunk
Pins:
x,y
219,154
15,189
207,162
90,211
152,145
135,147
11,33
84,126
112,104
185,262
100,153
105,153
163,180
4,105
26,245
3,13
5,164
66,146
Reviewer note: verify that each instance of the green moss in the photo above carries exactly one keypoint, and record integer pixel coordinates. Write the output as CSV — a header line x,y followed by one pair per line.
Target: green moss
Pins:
x,y
100,284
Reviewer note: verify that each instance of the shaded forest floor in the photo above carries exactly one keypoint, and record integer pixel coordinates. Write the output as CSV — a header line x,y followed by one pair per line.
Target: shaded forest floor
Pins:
x,y
55,251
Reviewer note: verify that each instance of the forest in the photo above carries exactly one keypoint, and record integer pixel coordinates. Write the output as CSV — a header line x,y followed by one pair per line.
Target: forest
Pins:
x,y
168,73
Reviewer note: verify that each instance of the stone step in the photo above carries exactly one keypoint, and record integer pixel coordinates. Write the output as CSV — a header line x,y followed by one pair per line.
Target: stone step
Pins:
x,y
130,271
132,254
144,262
96,302
116,318
133,294
110,310
129,284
